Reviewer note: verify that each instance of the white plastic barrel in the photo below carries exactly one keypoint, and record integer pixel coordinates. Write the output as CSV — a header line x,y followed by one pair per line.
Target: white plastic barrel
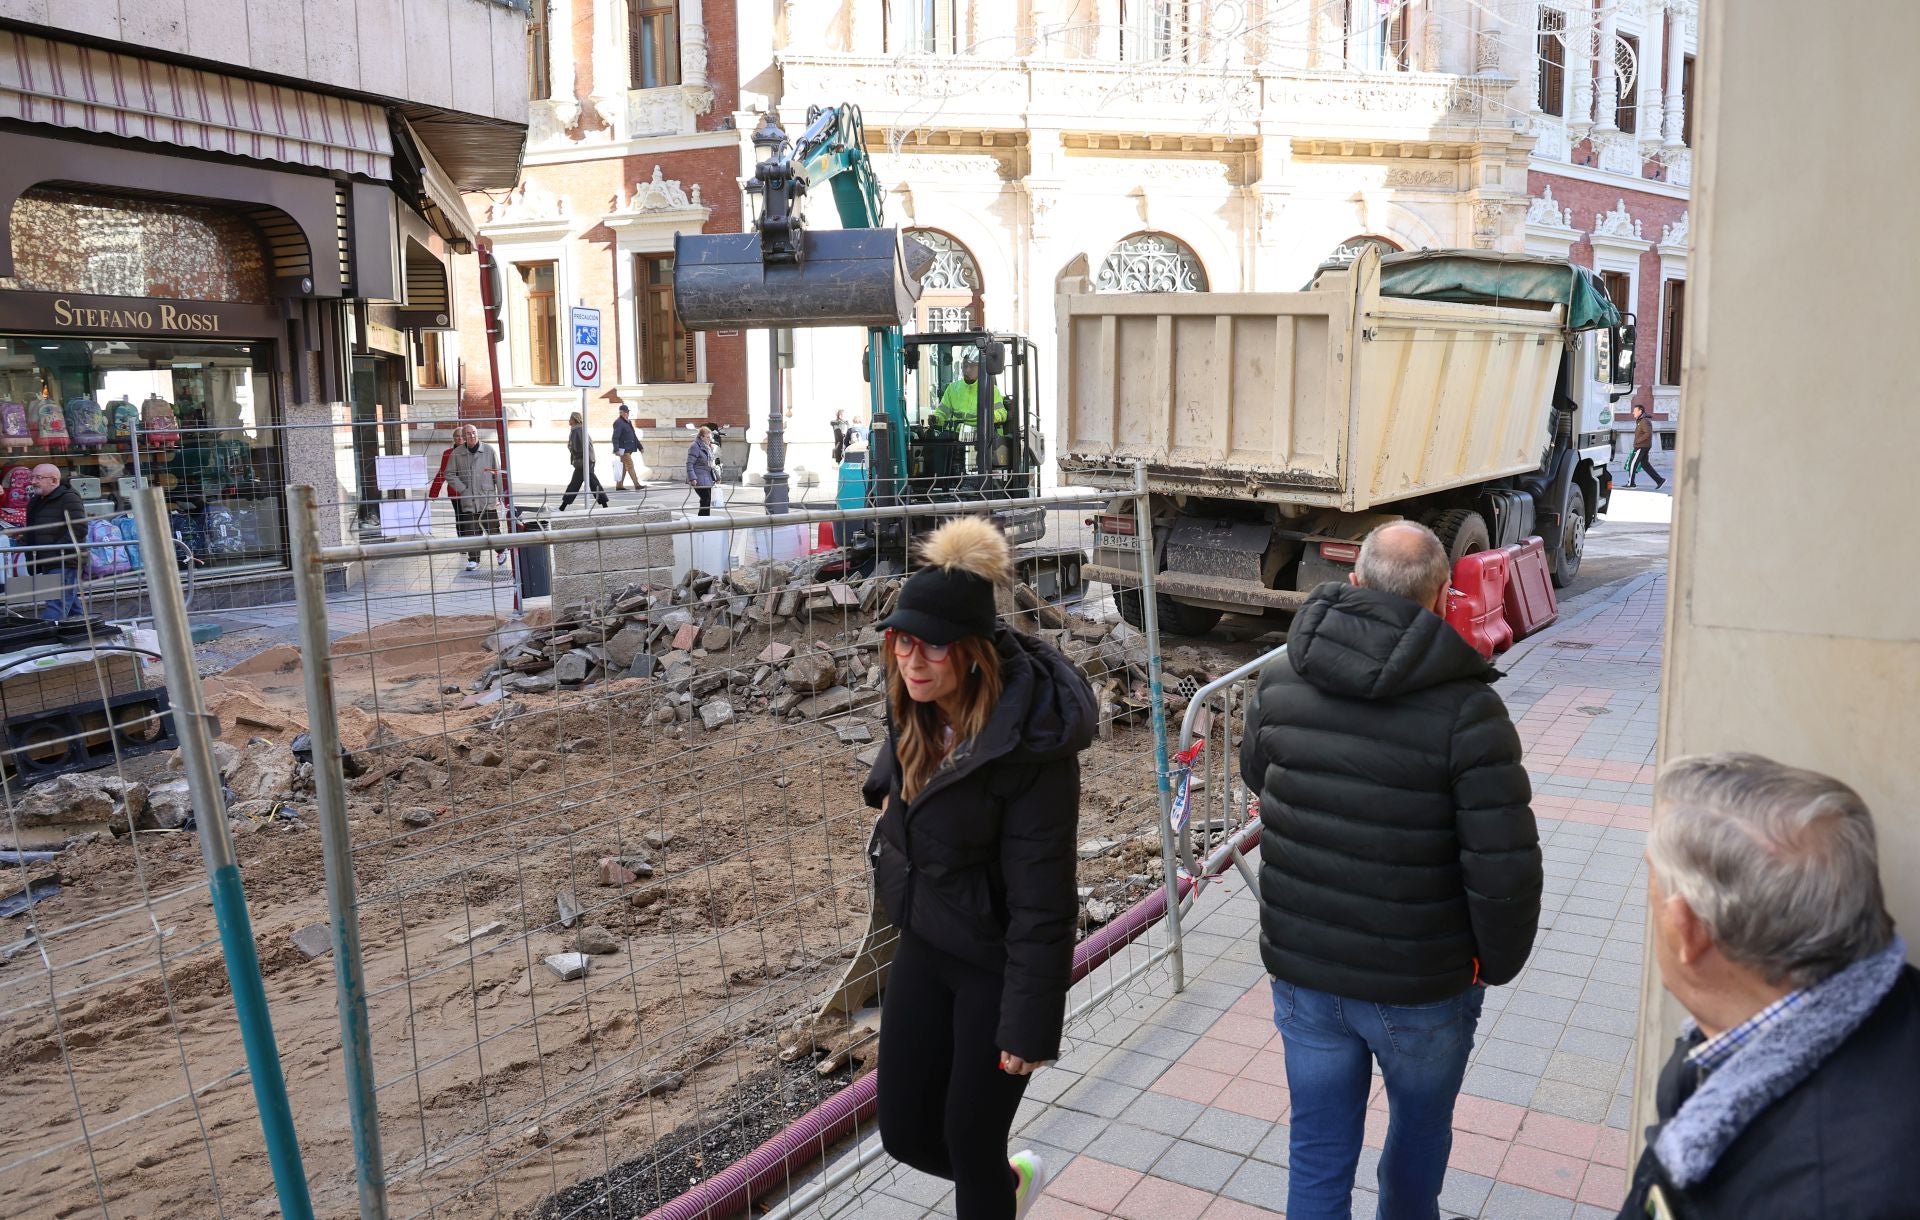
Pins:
x,y
711,552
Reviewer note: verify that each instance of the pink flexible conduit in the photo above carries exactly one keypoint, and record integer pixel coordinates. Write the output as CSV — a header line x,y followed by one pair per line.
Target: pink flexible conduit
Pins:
x,y
809,1137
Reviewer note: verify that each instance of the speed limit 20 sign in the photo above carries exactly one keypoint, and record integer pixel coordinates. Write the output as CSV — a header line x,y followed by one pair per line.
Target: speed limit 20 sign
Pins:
x,y
585,328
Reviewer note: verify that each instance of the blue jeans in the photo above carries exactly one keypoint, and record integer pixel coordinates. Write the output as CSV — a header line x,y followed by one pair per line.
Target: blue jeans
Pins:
x,y
1330,1043
66,603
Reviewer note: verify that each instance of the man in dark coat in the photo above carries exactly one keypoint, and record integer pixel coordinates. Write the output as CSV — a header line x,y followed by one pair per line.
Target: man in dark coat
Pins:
x,y
56,517
1400,867
626,443
1791,1092
1642,458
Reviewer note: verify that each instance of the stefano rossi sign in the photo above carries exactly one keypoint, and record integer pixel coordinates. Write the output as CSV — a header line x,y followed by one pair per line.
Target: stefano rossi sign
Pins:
x,y
73,314
162,316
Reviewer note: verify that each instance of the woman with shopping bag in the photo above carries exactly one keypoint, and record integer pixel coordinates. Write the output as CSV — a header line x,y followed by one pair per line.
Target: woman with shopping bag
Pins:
x,y
703,468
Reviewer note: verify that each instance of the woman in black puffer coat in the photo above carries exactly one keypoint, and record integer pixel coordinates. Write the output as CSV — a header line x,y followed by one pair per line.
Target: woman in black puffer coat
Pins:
x,y
973,856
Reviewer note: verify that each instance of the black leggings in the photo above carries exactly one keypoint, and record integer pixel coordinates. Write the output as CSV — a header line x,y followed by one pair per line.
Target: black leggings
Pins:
x,y
946,1108
706,501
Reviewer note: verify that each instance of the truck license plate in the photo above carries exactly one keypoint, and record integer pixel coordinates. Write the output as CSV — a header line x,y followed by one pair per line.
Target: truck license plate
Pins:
x,y
1119,542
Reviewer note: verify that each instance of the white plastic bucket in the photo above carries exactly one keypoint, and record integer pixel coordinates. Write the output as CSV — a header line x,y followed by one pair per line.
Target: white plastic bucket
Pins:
x,y
710,551
781,542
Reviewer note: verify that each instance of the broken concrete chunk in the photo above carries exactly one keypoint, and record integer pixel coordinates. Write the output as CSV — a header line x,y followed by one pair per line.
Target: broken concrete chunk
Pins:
x,y
855,734
830,702
489,757
466,936
418,817
168,807
686,637
643,665
1099,911
718,638
867,758
314,940
569,966
680,677
659,840
568,907
811,671
1096,847
595,939
626,644
774,653
716,713
571,669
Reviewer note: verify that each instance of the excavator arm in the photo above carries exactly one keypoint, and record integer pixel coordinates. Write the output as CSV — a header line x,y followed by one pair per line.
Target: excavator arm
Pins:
x,y
784,274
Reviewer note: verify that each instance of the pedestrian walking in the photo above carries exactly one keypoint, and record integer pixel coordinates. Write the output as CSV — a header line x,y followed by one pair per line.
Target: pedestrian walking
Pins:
x,y
1642,458
580,450
472,474
973,858
1791,1090
703,468
1400,868
626,443
57,520
839,433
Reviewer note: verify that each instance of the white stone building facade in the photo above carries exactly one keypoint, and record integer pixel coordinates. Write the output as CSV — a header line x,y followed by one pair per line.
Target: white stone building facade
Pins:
x,y
1210,145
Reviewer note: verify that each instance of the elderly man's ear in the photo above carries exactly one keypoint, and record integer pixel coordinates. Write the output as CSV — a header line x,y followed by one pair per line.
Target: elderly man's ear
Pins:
x,y
1687,934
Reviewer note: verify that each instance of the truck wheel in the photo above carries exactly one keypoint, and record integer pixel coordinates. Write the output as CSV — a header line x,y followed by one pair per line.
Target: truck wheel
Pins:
x,y
1573,540
1462,531
1175,619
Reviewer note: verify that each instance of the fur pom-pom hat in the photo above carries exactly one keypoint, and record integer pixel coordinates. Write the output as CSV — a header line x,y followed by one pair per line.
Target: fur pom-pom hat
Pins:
x,y
951,596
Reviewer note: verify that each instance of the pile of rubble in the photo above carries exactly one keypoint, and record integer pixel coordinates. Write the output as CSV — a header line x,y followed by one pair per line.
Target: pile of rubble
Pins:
x,y
817,655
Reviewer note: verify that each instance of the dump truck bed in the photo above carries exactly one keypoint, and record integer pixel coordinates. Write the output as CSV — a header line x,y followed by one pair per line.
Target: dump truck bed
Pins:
x,y
1334,397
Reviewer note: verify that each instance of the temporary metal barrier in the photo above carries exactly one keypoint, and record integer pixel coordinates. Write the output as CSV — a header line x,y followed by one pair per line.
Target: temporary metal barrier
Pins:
x,y
593,867
122,1051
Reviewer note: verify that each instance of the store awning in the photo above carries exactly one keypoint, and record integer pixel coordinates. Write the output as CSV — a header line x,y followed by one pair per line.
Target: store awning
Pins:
x,y
64,85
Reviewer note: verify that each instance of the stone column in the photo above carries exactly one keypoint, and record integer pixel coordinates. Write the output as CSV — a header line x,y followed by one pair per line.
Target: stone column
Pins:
x,y
1673,100
693,44
566,93
1606,85
1580,70
1650,74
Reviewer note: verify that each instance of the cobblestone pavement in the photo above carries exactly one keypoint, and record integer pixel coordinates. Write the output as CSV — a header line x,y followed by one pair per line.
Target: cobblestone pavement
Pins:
x,y
1176,1106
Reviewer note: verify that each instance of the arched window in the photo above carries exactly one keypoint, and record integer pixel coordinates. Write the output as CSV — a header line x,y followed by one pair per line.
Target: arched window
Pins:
x,y
1151,262
950,292
1350,249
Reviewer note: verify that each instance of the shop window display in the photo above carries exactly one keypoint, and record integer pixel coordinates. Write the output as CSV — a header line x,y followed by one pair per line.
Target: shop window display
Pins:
x,y
198,419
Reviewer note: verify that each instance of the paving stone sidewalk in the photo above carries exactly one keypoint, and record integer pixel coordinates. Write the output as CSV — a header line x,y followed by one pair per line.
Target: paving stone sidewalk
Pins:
x,y
1176,1107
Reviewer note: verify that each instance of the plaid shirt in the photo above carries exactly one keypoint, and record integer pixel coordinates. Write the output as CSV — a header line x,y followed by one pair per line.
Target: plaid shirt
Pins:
x,y
1715,1051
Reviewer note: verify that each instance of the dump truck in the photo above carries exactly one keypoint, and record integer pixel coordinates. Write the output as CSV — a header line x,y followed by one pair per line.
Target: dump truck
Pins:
x,y
1467,390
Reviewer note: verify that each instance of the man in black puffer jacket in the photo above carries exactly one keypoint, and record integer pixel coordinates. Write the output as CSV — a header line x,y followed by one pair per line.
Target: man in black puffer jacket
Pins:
x,y
1400,867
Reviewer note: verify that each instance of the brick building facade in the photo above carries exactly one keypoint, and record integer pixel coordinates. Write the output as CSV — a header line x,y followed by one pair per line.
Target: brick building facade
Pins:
x,y
632,139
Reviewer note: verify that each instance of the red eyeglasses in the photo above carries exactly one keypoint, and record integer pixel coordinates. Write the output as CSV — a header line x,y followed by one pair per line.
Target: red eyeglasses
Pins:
x,y
904,644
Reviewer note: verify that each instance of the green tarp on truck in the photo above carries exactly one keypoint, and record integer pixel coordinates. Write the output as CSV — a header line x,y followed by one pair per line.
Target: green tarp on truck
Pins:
x,y
1499,279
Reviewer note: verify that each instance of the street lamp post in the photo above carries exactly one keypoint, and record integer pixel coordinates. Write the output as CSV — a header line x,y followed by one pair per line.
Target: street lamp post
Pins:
x,y
771,151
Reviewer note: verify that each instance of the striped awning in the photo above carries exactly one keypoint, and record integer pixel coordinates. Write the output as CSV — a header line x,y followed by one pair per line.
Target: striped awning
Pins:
x,y
59,83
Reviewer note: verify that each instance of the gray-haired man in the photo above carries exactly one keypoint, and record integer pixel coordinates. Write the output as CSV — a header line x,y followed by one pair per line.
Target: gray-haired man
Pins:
x,y
1400,867
1795,1089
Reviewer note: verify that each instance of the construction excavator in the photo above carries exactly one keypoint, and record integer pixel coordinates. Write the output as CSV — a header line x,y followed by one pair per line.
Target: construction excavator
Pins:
x,y
921,449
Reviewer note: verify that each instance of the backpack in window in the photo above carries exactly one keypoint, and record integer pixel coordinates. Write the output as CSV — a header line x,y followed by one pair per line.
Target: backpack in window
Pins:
x,y
158,423
16,488
129,534
49,424
186,527
86,423
123,419
14,433
105,555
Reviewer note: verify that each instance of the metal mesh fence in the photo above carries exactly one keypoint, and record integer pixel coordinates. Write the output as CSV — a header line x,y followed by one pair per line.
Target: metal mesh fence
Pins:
x,y
609,847
126,1057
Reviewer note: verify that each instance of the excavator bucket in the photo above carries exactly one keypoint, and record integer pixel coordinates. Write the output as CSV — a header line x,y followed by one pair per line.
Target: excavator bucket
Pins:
x,y
845,277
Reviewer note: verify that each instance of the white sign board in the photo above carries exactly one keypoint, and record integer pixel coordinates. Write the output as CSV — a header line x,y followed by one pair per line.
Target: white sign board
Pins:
x,y
400,518
400,472
584,327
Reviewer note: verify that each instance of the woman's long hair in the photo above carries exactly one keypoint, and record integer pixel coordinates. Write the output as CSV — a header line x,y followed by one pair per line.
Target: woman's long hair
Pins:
x,y
919,728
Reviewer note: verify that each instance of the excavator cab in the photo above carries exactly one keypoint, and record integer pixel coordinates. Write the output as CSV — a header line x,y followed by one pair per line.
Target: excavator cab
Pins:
x,y
971,415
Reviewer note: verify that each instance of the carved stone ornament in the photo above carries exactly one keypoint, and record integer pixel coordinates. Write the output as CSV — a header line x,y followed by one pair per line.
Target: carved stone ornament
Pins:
x,y
1617,223
953,267
1546,213
1677,235
660,194
1421,178
1042,205
528,201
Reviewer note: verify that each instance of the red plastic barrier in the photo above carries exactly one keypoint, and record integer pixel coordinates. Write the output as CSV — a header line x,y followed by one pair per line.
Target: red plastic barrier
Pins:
x,y
1476,602
1531,604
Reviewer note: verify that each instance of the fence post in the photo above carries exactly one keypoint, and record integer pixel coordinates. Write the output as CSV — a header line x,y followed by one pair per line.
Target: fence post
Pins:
x,y
343,911
191,727
1156,694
